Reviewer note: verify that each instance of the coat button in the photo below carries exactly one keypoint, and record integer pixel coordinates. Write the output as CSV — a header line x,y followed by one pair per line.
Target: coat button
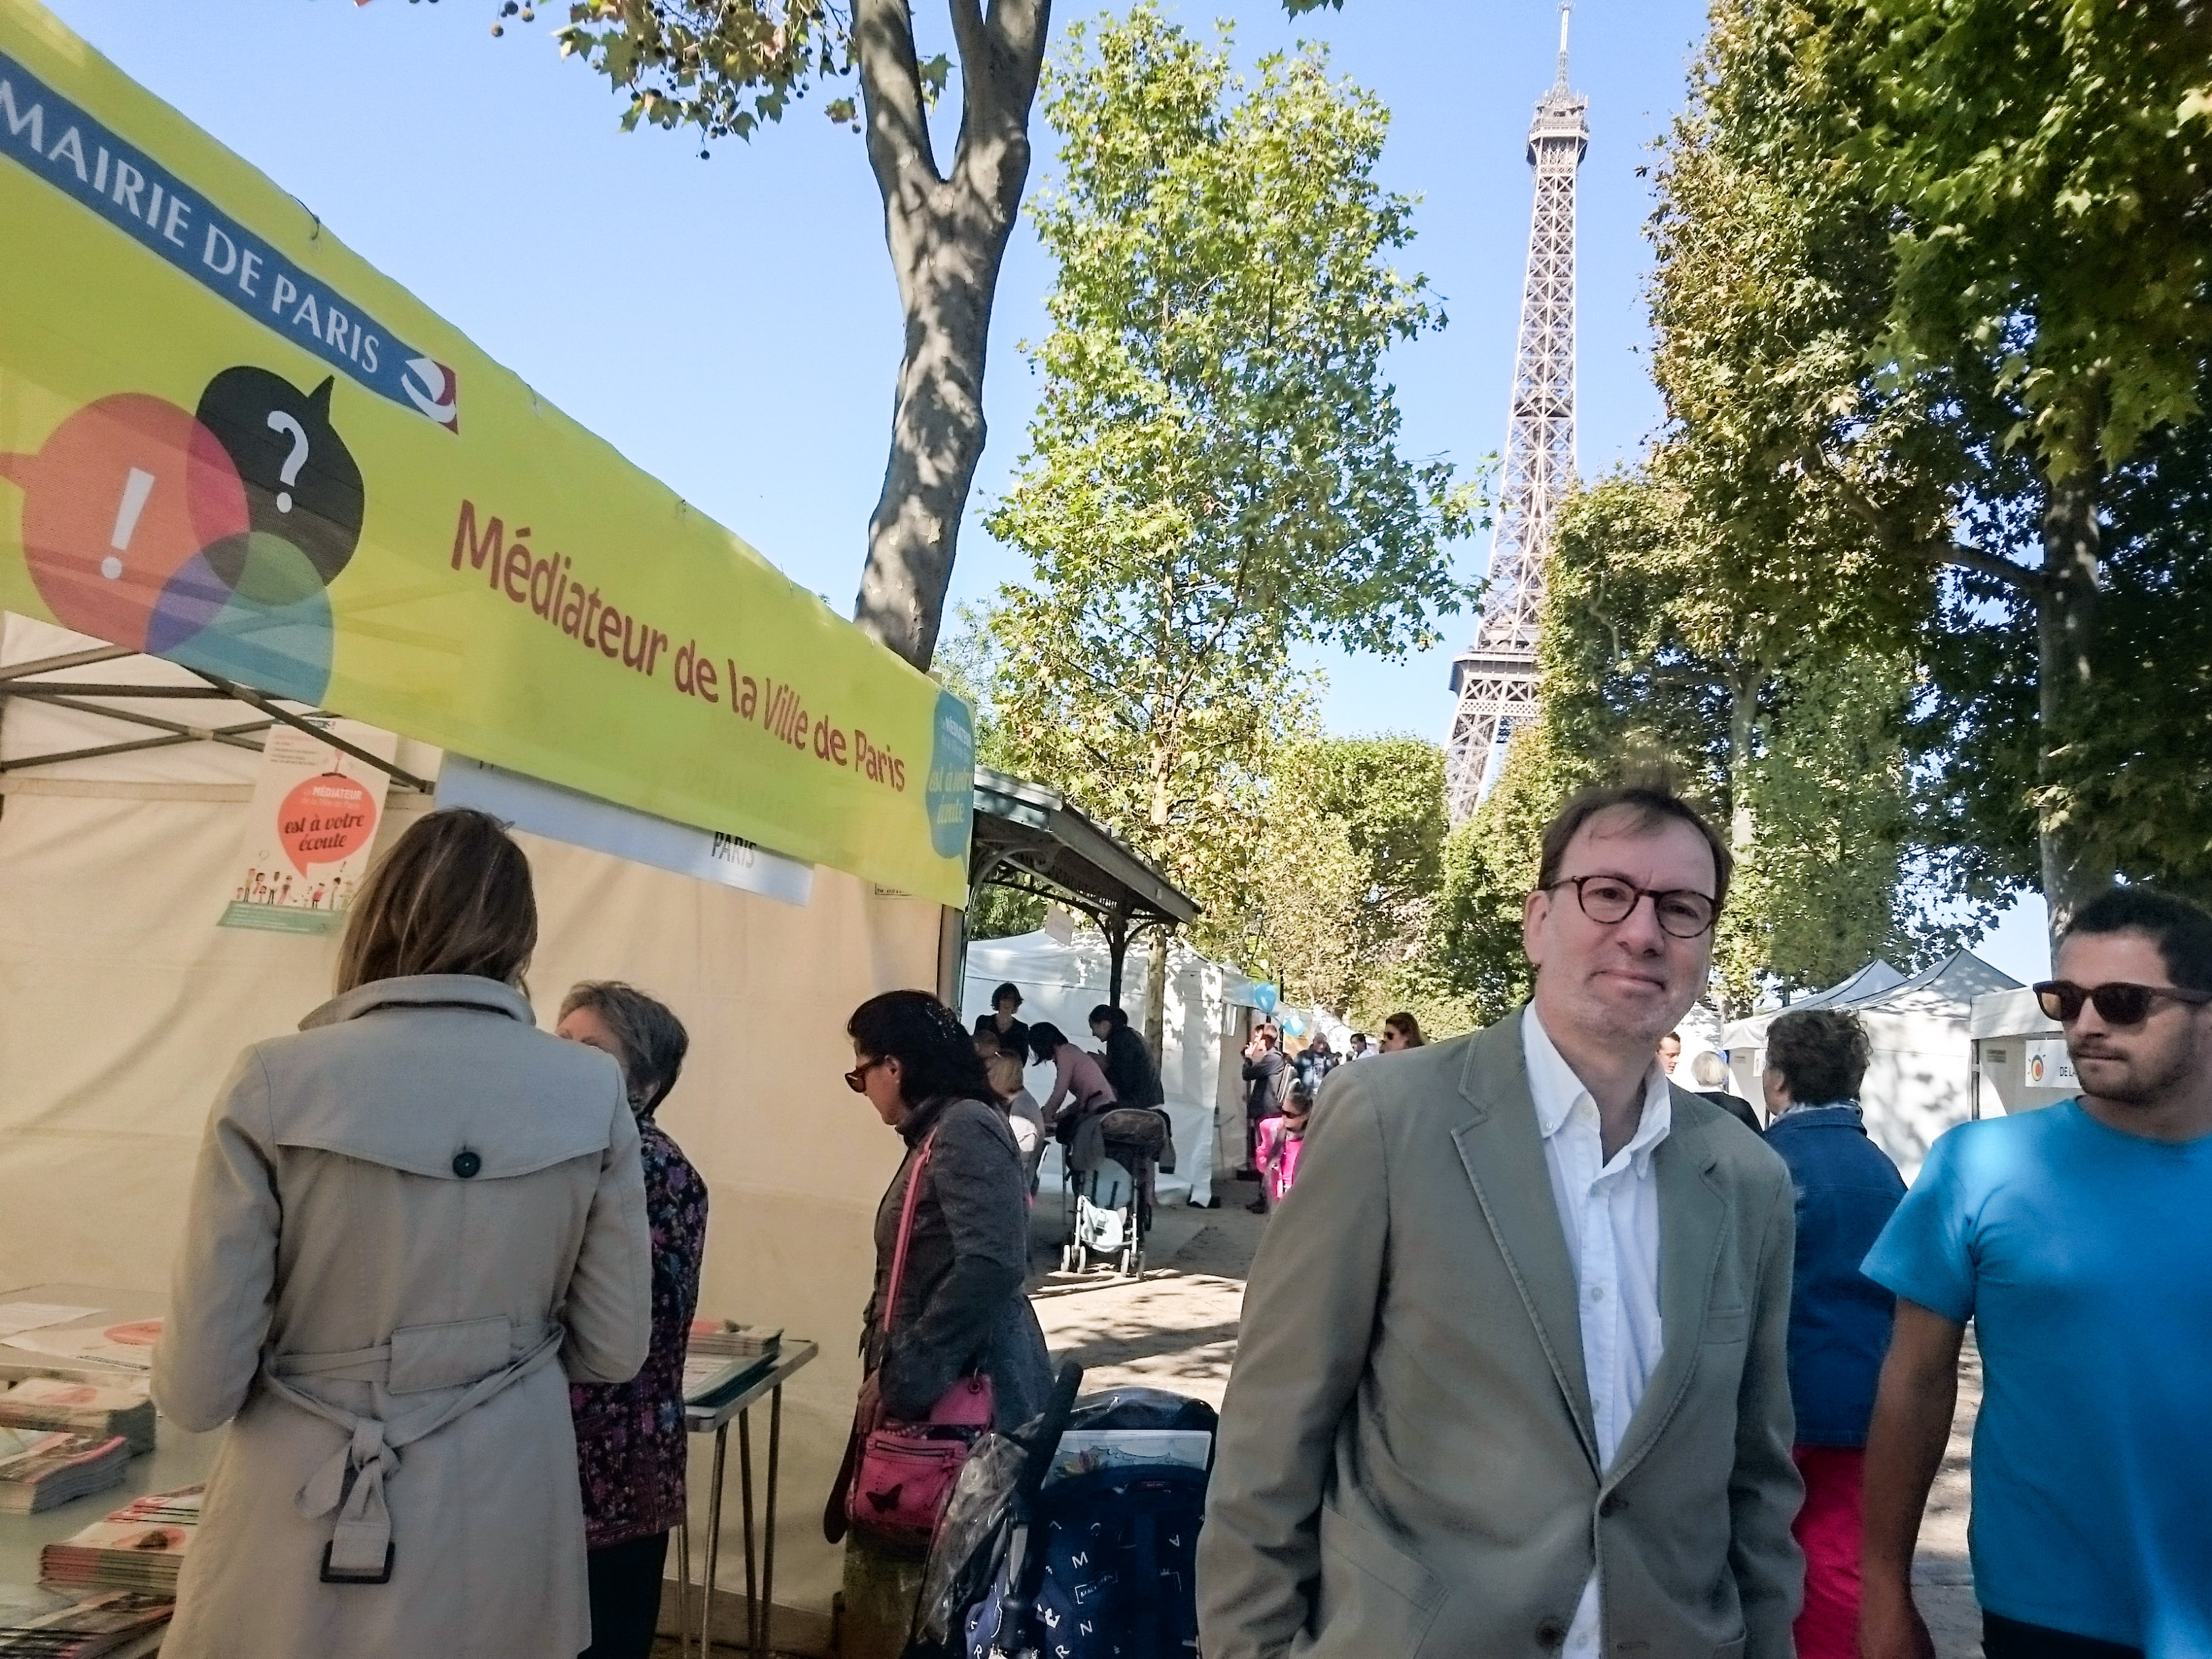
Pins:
x,y
1551,1633
466,1163
1613,1503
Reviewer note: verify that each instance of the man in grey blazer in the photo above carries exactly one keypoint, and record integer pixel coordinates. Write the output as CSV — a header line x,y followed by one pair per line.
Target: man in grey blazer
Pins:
x,y
1512,1378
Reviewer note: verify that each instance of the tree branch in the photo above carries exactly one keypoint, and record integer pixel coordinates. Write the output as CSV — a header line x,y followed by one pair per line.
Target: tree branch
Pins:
x,y
1855,500
891,87
2034,583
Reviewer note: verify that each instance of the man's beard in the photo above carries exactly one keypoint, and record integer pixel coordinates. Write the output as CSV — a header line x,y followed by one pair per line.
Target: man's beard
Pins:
x,y
2140,1086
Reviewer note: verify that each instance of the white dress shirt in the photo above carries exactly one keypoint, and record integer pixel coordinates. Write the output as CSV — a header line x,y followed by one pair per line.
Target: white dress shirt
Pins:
x,y
1609,1211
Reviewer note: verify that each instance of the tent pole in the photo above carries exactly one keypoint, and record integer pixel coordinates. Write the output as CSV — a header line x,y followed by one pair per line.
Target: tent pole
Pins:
x,y
1115,926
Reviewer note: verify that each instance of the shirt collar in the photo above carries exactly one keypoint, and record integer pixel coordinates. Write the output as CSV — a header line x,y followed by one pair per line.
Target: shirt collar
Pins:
x,y
1840,1107
1556,1090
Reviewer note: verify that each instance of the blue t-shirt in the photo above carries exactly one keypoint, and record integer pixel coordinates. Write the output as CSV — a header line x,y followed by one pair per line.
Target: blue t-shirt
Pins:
x,y
2083,1256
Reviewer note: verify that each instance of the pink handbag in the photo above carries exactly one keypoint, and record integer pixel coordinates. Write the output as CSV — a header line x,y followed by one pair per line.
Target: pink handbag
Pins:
x,y
905,1470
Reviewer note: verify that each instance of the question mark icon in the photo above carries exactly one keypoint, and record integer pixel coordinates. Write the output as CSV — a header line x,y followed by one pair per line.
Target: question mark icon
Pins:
x,y
288,474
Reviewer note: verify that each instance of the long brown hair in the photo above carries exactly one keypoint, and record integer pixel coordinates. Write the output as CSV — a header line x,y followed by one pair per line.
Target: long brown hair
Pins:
x,y
453,896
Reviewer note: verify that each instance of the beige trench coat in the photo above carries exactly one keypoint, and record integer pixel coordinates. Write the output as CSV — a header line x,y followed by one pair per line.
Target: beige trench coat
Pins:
x,y
402,1218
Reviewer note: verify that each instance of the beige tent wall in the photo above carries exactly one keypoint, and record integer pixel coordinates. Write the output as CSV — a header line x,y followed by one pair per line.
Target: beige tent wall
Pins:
x,y
122,1006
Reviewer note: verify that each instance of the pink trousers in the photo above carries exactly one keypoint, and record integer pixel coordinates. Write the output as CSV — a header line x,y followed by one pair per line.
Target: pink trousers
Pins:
x,y
1827,1530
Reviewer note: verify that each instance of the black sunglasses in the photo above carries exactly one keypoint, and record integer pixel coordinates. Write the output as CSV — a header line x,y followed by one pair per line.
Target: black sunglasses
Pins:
x,y
857,1078
2116,1004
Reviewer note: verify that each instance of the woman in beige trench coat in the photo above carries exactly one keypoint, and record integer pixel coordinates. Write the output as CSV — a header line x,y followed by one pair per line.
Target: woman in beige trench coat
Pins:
x,y
412,1224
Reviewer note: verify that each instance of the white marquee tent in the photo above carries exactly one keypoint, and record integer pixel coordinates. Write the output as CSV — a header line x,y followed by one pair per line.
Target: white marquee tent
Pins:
x,y
1202,1045
1920,1080
122,1006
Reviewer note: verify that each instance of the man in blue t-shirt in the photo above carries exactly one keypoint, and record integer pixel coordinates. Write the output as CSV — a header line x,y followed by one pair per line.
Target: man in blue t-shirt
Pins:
x,y
2079,1240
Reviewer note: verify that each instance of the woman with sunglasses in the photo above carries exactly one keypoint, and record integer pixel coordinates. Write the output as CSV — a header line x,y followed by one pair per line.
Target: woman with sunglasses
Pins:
x,y
961,1310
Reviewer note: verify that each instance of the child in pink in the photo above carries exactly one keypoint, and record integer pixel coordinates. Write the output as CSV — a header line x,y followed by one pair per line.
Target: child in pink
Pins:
x,y
1279,1141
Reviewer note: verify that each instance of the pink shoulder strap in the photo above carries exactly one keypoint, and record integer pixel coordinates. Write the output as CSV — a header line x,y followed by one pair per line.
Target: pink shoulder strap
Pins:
x,y
905,1234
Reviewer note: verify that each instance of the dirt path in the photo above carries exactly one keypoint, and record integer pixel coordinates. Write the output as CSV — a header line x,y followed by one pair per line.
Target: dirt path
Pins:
x,y
1176,1329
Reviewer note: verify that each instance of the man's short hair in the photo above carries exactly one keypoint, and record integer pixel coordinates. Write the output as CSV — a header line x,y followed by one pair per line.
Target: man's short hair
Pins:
x,y
1822,1053
1651,806
2182,931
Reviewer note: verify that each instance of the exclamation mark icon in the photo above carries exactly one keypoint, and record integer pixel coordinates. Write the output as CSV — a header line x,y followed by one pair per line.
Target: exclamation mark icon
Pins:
x,y
135,488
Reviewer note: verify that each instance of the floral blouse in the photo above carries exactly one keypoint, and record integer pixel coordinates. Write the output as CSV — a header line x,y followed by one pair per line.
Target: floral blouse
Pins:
x,y
630,1438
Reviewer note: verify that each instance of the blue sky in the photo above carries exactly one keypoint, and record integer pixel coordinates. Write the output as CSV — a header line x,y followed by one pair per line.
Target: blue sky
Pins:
x,y
732,325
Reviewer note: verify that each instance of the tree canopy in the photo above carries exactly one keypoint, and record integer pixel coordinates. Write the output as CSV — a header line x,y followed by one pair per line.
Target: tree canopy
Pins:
x,y
1213,476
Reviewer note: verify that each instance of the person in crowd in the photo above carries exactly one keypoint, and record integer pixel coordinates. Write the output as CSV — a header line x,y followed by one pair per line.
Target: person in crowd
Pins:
x,y
2075,1238
1000,1025
1456,1424
1315,1064
961,1308
1846,1190
1281,1138
1360,1051
1079,1088
1128,1064
631,1442
1709,1071
1024,1116
1401,1031
406,1222
1266,1086
1670,1054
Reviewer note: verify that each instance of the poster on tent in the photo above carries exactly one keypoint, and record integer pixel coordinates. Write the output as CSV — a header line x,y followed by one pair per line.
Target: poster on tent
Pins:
x,y
314,815
228,441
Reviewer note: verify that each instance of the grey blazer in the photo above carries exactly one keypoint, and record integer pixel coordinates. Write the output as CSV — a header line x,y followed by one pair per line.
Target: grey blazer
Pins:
x,y
1406,1460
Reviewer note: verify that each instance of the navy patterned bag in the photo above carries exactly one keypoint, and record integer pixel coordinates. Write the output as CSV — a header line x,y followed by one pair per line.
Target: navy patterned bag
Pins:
x,y
1114,1566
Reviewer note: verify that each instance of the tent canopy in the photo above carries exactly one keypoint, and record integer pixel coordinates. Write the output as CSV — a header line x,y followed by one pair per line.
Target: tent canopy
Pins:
x,y
1033,840
1920,1080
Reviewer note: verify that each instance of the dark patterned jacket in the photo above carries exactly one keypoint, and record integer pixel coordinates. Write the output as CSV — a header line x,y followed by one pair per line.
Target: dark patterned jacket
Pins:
x,y
630,1439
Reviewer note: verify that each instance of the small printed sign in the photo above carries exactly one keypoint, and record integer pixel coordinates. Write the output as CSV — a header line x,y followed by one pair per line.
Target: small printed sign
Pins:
x,y
2049,1065
313,819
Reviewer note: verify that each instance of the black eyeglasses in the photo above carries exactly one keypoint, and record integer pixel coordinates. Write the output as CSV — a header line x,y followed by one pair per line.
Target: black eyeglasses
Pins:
x,y
857,1078
2117,1003
1683,912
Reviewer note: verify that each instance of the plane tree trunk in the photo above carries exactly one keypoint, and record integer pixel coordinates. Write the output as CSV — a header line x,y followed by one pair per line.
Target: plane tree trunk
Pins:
x,y
947,233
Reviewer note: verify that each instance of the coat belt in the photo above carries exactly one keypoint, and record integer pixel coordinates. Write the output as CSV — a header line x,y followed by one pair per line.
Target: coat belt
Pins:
x,y
352,1481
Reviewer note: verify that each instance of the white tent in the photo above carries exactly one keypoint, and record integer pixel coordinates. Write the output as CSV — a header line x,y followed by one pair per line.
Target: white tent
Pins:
x,y
1202,1041
2020,1061
1920,1080
122,1006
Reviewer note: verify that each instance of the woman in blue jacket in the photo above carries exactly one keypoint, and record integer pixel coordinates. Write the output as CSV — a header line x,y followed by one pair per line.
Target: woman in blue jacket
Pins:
x,y
1839,1319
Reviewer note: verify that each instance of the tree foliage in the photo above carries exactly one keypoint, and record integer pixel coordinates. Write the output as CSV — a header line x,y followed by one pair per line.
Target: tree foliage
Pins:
x,y
1353,865
726,67
1213,476
1931,274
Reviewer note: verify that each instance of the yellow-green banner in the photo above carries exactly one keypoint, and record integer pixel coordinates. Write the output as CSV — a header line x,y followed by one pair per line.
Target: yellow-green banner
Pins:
x,y
226,440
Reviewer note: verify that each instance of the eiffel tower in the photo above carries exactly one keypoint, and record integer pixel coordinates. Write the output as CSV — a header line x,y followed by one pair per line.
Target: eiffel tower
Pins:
x,y
1495,677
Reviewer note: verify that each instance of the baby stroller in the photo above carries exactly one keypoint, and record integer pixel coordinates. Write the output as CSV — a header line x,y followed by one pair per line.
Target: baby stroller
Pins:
x,y
1076,1537
1108,1208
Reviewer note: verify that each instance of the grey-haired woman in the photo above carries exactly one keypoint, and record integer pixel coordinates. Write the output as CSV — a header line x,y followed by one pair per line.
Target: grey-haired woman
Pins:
x,y
630,1437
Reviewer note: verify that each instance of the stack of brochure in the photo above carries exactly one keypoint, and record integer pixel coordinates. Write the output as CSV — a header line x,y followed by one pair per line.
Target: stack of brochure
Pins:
x,y
722,1355
53,1402
42,1469
139,1547
47,1623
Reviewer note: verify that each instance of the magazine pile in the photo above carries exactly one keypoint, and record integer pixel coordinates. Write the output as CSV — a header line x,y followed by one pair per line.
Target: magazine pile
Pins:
x,y
55,1402
81,1623
41,1469
139,1547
